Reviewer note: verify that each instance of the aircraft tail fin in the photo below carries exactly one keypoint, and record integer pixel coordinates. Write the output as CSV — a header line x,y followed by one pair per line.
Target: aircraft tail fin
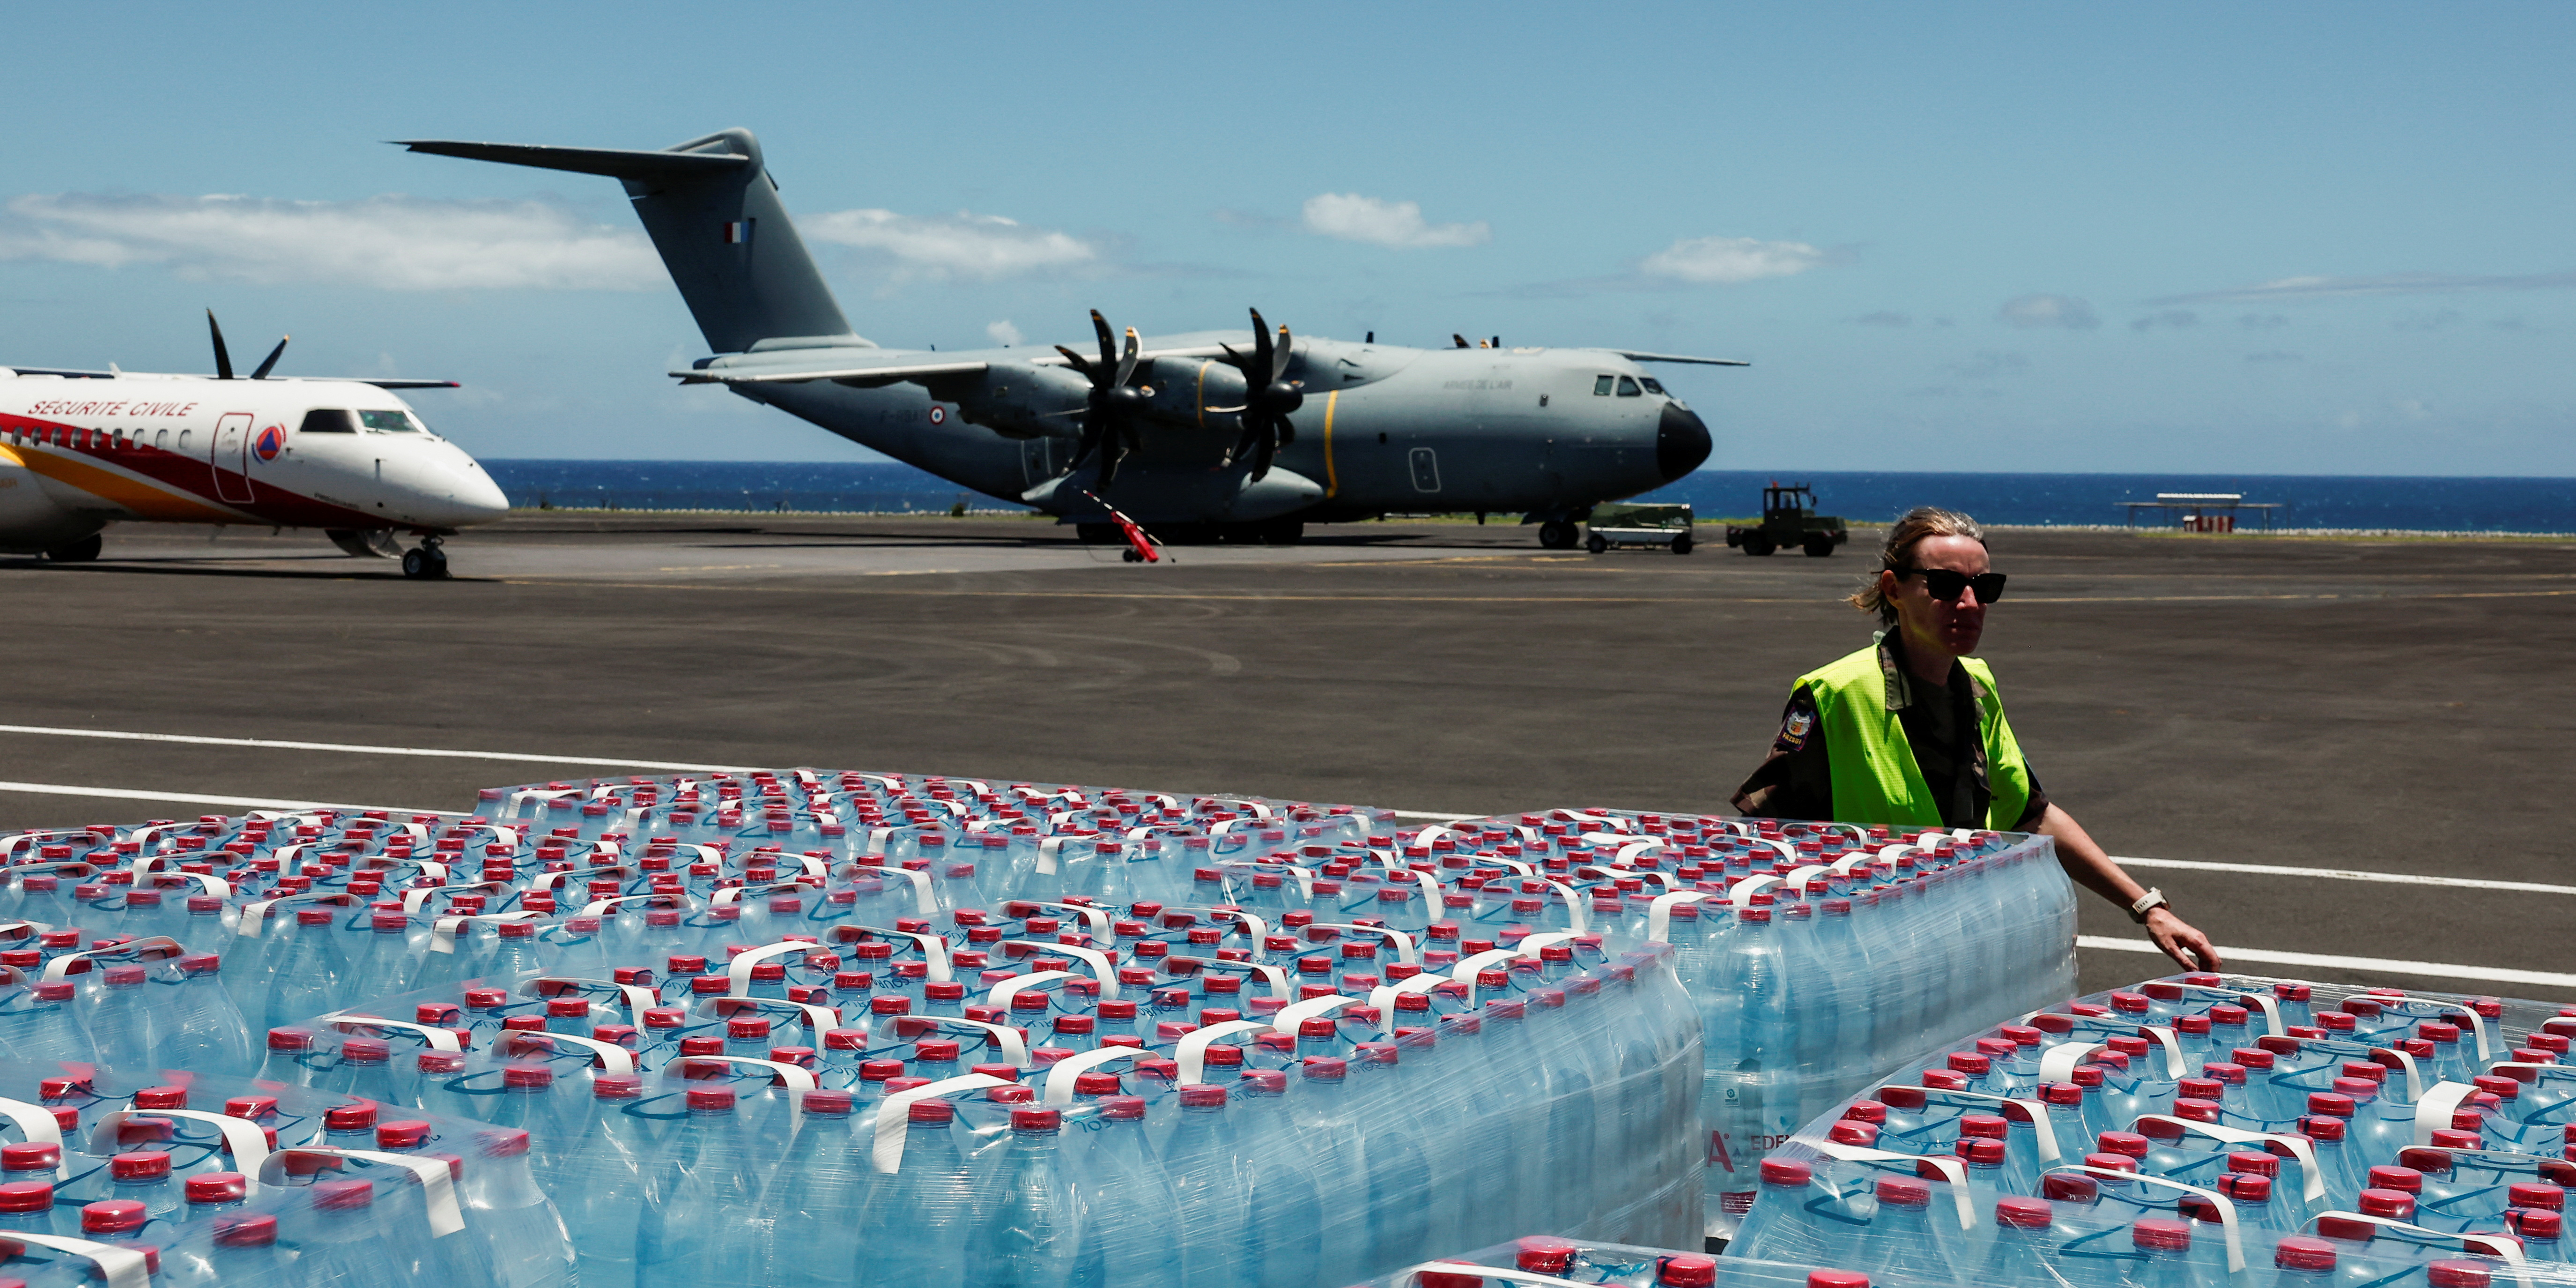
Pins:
x,y
712,211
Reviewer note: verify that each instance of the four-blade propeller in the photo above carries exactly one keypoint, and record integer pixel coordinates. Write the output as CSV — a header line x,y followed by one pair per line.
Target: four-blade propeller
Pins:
x,y
1109,414
1268,397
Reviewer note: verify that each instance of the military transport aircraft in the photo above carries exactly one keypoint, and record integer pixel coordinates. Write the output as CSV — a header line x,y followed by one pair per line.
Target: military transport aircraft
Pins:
x,y
1196,435
82,449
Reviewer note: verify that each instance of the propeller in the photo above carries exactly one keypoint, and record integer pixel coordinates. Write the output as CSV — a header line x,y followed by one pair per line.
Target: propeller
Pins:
x,y
1109,414
224,357
1268,397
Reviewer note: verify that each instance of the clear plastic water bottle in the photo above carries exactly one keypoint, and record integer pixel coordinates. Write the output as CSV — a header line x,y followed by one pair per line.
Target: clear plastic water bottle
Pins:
x,y
692,1231
531,1247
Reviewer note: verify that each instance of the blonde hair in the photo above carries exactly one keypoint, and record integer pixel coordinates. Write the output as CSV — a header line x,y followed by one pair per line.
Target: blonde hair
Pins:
x,y
1898,550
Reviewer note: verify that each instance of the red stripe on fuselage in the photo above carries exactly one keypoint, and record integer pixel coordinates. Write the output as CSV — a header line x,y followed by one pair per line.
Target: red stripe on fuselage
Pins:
x,y
99,459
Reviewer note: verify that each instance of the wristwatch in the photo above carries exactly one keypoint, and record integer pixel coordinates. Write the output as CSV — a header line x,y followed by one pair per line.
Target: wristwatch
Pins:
x,y
2148,902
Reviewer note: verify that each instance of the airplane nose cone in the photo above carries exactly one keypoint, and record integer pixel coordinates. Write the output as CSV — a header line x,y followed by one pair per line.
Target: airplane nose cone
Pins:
x,y
478,498
1681,442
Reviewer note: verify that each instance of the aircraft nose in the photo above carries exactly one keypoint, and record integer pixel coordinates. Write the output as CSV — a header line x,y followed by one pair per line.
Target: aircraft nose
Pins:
x,y
1681,442
478,498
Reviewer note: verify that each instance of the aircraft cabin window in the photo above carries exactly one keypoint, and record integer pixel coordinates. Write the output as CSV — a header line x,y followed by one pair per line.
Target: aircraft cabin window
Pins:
x,y
1601,386
183,440
392,422
1628,388
1653,386
160,439
320,420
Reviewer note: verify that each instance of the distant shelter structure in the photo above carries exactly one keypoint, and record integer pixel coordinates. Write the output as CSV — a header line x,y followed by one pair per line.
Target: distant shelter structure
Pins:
x,y
2201,511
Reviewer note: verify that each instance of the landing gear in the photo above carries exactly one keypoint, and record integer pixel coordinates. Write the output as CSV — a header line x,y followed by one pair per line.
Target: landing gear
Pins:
x,y
425,562
1557,534
81,551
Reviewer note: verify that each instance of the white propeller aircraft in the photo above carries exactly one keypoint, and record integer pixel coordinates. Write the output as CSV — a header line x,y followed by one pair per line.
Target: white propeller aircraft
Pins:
x,y
82,449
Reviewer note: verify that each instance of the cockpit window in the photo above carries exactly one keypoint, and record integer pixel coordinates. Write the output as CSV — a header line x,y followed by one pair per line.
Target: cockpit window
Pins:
x,y
1653,386
329,420
1601,386
392,422
1628,387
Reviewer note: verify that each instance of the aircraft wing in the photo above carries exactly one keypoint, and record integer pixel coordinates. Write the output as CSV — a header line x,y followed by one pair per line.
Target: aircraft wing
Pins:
x,y
380,382
1633,355
912,366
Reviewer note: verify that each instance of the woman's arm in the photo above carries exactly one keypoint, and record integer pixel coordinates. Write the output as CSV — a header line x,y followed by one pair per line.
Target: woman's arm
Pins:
x,y
2094,870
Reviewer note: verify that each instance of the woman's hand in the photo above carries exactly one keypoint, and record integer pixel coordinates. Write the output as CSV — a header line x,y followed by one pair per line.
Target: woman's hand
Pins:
x,y
2187,946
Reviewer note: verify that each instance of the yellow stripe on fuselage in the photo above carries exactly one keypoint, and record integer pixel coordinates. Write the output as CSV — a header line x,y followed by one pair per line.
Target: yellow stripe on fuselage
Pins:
x,y
143,498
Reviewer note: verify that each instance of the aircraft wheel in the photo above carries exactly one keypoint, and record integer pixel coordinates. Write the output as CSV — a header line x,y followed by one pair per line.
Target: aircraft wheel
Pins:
x,y
1757,544
81,551
1556,535
1820,547
1682,544
425,563
1596,543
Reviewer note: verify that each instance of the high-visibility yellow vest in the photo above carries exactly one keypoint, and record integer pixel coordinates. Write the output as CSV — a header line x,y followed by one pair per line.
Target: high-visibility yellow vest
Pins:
x,y
1875,777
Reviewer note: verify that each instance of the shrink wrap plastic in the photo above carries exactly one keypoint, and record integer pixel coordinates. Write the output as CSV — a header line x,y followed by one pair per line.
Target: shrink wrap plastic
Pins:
x,y
220,1181
2201,1128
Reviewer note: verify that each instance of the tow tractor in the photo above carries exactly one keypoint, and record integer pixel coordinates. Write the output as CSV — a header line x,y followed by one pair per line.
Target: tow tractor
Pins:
x,y
1789,519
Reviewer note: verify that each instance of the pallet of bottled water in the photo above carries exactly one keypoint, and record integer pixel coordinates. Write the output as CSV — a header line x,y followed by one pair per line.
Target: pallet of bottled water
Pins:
x,y
210,1180
2203,1129
1553,1261
1820,956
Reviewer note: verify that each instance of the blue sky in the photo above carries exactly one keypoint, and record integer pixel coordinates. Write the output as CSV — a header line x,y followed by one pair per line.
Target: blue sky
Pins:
x,y
2191,238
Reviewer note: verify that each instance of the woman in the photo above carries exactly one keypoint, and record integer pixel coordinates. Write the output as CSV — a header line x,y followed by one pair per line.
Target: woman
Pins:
x,y
1911,731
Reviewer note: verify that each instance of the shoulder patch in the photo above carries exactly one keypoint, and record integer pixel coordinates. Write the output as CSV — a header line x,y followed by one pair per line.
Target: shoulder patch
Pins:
x,y
1794,729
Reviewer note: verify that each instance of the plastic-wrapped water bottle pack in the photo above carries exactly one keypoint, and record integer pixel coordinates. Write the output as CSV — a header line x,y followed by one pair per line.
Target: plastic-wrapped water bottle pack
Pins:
x,y
1820,956
214,1181
1549,1260
2188,1129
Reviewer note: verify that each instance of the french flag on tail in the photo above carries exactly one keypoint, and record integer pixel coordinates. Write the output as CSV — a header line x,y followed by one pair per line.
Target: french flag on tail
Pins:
x,y
738,232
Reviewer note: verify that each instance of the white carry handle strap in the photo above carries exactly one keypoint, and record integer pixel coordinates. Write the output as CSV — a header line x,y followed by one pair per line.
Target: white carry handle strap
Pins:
x,y
61,966
1799,877
2312,1185
214,885
1097,918
2041,1128
2434,1108
1629,852
2227,1220
1015,1049
120,1267
1403,942
1289,1017
1467,967
39,1126
1411,1277
2477,1023
602,907
895,1111
1103,968
2414,1076
934,950
442,932
638,998
2176,1066
612,1057
1002,993
437,1183
2502,1247
1750,886
734,894
438,1039
923,900
247,1140
798,1078
1531,946
1047,847
1278,977
1432,833
738,973
817,1018
2058,1064
1383,996
519,800
1953,1169
1574,909
413,898
1192,1055
1060,1078
2271,1008
1659,914
252,914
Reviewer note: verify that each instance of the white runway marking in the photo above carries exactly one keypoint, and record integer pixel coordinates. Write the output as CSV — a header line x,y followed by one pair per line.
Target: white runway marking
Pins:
x,y
2346,874
2433,970
526,756
198,798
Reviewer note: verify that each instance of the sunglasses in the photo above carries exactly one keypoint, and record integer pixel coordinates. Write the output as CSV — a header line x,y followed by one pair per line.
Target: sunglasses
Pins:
x,y
1945,585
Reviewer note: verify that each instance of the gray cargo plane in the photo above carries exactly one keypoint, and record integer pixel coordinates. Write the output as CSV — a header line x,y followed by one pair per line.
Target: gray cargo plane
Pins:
x,y
1198,435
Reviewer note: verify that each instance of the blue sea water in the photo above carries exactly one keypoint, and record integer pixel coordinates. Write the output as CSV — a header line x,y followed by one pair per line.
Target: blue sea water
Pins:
x,y
2370,502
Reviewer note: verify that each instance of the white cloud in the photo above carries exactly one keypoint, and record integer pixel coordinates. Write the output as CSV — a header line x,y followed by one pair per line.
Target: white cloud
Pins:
x,y
2320,287
2049,310
1720,260
1352,217
987,247
390,242
1003,333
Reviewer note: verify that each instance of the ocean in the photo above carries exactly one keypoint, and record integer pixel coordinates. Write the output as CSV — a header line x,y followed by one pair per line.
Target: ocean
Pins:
x,y
2307,501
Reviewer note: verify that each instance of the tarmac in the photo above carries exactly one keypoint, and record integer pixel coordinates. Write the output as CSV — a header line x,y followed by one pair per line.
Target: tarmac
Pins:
x,y
2395,711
